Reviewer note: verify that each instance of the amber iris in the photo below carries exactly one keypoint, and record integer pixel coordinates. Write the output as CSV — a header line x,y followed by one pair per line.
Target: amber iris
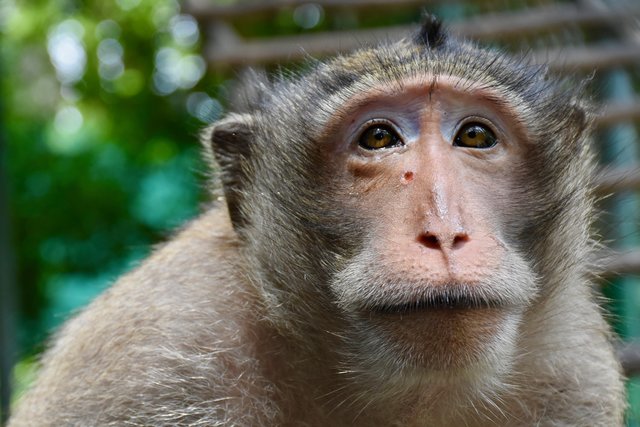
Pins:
x,y
475,135
377,137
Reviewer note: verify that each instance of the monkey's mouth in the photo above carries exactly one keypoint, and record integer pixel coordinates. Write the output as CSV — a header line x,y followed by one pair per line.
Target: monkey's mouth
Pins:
x,y
438,302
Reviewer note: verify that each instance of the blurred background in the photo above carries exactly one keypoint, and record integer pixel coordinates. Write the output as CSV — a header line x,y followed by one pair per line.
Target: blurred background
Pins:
x,y
101,104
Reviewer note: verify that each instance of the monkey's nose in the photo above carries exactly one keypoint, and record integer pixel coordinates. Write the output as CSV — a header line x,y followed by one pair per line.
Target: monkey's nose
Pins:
x,y
443,240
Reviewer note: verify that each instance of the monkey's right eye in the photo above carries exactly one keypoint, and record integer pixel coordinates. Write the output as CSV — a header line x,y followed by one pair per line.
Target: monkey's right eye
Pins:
x,y
379,136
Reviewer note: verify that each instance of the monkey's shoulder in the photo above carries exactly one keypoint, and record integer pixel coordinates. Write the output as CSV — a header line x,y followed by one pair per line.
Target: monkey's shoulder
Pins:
x,y
153,338
195,269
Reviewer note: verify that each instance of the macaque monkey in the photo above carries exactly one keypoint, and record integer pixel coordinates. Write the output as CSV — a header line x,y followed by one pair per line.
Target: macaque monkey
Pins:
x,y
404,241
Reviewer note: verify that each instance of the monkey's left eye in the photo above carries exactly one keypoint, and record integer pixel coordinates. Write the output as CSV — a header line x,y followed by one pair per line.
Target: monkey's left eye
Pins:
x,y
377,137
475,135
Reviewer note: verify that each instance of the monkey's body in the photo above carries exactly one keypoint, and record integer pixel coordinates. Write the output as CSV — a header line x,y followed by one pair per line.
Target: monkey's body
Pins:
x,y
406,245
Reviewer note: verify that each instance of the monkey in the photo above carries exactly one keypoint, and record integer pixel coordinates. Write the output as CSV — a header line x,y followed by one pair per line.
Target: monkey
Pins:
x,y
402,239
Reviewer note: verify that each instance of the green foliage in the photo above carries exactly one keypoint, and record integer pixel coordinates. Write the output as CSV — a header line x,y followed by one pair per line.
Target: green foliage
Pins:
x,y
101,140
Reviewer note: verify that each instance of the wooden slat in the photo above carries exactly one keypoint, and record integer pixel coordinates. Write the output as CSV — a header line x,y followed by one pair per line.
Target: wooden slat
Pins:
x,y
617,113
629,356
291,48
590,57
617,263
206,10
545,18
611,180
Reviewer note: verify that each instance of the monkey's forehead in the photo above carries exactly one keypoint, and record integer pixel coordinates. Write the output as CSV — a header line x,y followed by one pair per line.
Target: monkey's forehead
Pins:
x,y
314,95
395,62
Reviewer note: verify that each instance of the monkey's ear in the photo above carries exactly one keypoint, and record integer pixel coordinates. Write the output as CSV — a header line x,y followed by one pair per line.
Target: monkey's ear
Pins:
x,y
431,33
229,140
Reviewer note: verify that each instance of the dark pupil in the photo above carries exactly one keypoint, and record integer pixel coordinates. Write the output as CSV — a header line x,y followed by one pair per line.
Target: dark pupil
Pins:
x,y
380,134
471,133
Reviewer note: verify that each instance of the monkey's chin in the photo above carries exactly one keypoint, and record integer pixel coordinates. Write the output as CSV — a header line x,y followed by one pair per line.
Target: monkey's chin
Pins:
x,y
416,326
443,340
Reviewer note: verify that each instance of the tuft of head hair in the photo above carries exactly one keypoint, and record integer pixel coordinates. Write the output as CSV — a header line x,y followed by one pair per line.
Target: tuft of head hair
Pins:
x,y
431,33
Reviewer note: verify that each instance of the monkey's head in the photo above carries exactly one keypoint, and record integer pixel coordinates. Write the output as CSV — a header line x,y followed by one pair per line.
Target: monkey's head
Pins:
x,y
414,199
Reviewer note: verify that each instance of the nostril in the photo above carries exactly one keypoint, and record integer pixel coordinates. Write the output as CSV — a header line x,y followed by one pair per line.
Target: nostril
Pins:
x,y
432,241
459,240
429,240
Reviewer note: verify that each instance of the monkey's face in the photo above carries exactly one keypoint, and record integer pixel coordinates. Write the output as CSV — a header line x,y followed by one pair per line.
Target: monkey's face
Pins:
x,y
403,199
429,173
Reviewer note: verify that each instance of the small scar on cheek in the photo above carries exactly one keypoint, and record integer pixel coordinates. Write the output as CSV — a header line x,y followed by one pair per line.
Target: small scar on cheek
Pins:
x,y
407,177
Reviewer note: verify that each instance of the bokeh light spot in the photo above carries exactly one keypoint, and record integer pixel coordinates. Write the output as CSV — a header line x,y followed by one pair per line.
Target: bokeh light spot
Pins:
x,y
308,15
184,30
68,120
67,52
203,107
